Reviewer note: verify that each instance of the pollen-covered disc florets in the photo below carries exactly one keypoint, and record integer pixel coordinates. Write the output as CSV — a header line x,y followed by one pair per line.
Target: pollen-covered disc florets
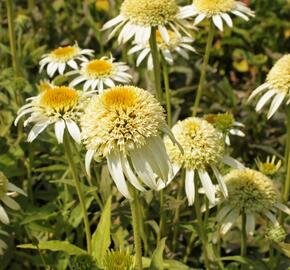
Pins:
x,y
148,12
122,118
203,145
118,260
250,190
212,7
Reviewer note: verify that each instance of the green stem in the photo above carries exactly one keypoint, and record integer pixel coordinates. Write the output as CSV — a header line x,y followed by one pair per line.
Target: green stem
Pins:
x,y
244,238
203,68
167,92
136,219
202,227
156,64
162,216
10,16
80,192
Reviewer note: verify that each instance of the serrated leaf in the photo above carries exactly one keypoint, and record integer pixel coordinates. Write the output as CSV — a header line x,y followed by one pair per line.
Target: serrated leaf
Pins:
x,y
101,238
157,257
56,245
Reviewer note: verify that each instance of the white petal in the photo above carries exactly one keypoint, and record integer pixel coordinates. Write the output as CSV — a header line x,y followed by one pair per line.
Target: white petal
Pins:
x,y
164,33
77,81
229,221
73,64
199,18
222,213
277,101
271,217
186,11
240,14
3,216
115,168
218,22
283,208
189,186
237,132
207,185
227,140
126,33
264,99
221,181
12,187
10,202
250,224
109,82
233,162
135,49
61,68
87,85
142,56
258,90
23,113
227,19
112,22
73,130
59,127
36,130
88,160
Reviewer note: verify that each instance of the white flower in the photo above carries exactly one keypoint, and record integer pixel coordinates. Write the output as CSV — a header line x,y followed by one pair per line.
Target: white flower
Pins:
x,y
8,189
137,18
101,73
254,194
204,151
59,58
60,106
176,43
276,87
123,124
218,10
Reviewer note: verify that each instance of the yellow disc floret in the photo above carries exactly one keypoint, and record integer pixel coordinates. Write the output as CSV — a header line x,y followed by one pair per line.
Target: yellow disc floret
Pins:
x,y
203,145
121,119
3,184
279,75
250,190
59,99
63,54
213,7
148,12
99,68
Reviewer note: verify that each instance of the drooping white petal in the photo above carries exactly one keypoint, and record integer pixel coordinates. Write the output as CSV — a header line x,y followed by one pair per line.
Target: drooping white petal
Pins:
x,y
277,101
272,218
222,213
227,19
77,81
237,132
207,185
88,160
186,11
113,22
264,99
73,130
164,33
229,221
109,82
189,186
250,224
142,56
240,14
283,208
61,68
87,85
22,113
199,18
135,49
233,162
221,181
12,187
3,216
36,130
115,168
126,33
227,140
218,22
10,202
73,64
258,90
59,127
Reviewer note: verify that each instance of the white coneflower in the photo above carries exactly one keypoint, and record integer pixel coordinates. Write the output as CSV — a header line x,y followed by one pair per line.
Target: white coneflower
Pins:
x,y
123,125
59,58
269,167
137,18
219,10
8,189
252,193
101,73
204,150
276,87
176,43
225,122
60,106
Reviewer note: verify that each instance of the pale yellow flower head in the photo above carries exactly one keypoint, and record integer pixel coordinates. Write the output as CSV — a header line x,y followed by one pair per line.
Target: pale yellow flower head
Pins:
x,y
212,7
148,12
118,260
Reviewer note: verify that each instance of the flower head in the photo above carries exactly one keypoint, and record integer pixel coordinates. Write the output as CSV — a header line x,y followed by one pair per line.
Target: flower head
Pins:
x,y
204,149
99,73
275,233
59,58
268,167
276,87
138,17
123,124
58,105
118,260
252,193
176,43
218,10
6,190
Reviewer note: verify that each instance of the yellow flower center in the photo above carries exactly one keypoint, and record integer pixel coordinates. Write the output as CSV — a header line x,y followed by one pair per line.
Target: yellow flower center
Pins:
x,y
59,98
64,53
119,97
149,12
212,7
98,68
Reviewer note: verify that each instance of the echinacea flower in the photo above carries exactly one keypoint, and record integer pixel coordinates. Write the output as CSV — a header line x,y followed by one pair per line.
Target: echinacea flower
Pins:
x,y
137,18
118,260
252,193
276,87
225,122
268,167
176,43
60,106
59,58
204,151
219,10
124,125
101,73
8,189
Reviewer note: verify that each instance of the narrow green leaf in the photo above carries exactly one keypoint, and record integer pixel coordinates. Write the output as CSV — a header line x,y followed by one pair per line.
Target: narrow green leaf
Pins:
x,y
157,257
101,238
56,245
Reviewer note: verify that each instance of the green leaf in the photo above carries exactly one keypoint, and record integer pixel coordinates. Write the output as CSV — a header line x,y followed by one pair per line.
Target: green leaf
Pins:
x,y
56,245
157,257
101,238
256,264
